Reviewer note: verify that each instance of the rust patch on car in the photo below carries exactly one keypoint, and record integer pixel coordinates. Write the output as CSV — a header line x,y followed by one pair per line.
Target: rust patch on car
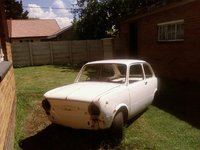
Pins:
x,y
96,123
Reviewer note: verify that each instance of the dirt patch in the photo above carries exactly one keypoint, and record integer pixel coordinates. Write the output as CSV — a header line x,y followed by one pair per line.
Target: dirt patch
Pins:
x,y
36,119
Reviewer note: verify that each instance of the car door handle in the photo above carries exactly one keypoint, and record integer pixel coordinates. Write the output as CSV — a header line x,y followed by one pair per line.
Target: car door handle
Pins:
x,y
145,82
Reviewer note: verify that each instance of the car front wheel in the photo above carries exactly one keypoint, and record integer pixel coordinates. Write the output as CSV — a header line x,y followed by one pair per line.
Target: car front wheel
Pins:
x,y
117,125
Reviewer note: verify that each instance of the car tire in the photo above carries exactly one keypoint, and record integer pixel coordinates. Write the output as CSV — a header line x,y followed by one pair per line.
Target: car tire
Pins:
x,y
117,125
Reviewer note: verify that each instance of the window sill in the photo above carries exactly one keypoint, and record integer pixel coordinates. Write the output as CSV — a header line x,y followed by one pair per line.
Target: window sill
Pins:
x,y
4,68
178,40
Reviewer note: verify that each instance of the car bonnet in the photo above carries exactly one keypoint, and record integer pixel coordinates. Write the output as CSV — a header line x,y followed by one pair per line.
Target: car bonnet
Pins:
x,y
84,91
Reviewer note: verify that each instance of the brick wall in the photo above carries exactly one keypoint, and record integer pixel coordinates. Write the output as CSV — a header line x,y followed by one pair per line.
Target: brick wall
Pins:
x,y
7,109
178,60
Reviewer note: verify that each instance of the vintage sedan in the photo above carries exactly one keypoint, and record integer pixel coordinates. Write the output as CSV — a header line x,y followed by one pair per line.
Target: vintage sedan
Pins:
x,y
104,95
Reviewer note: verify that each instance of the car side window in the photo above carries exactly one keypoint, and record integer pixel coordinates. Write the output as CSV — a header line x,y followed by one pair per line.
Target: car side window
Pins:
x,y
136,73
148,71
106,71
91,72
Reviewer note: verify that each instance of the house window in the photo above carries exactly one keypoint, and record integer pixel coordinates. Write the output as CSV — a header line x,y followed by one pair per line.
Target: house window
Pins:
x,y
171,31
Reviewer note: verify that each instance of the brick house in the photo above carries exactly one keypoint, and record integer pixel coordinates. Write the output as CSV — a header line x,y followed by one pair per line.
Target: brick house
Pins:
x,y
168,37
31,30
7,88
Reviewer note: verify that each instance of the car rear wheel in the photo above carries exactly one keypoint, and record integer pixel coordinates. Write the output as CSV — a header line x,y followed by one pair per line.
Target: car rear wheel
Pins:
x,y
117,125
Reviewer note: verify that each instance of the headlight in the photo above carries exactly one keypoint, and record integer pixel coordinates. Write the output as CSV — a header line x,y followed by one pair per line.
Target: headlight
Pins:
x,y
46,105
93,110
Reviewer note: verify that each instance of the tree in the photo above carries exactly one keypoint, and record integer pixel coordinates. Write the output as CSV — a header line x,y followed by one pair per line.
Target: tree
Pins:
x,y
14,10
96,17
92,22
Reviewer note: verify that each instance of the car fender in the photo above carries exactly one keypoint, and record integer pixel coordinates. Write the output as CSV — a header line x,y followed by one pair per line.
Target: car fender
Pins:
x,y
114,111
121,107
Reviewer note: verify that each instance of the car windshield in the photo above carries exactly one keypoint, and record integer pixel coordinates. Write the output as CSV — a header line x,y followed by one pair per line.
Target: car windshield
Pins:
x,y
115,73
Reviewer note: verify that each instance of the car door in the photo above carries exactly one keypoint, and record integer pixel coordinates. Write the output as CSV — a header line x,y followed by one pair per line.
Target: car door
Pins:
x,y
150,82
137,88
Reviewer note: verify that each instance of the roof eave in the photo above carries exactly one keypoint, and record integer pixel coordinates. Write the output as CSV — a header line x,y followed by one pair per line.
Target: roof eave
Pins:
x,y
164,8
35,37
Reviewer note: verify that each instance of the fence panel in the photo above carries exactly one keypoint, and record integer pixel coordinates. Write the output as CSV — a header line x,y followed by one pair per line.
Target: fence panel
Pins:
x,y
41,53
120,48
21,54
95,50
79,51
61,52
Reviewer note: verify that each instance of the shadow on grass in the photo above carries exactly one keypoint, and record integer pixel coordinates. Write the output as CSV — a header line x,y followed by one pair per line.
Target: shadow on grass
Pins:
x,y
56,137
75,67
181,99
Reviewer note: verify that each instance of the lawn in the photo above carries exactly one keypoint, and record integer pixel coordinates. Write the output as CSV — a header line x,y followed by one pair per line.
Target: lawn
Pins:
x,y
154,129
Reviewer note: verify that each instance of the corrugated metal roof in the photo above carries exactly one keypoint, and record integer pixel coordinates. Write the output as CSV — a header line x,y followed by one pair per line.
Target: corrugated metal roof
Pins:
x,y
32,28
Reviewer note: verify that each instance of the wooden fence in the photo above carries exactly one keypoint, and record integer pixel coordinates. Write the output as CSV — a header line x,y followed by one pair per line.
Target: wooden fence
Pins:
x,y
56,52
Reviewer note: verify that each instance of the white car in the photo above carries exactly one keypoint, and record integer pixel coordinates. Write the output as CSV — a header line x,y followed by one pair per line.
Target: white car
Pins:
x,y
105,94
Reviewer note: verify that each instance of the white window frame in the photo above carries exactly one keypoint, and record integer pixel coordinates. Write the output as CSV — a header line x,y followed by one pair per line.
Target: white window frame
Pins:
x,y
171,31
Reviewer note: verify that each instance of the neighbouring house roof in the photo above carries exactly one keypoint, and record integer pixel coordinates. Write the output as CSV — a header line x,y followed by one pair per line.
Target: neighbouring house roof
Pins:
x,y
60,32
32,28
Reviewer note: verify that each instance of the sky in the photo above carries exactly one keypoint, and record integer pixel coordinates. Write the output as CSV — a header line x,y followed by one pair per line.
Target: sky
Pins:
x,y
50,9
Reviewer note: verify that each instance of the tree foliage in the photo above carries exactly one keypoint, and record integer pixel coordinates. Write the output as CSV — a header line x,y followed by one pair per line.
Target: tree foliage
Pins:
x,y
14,10
96,17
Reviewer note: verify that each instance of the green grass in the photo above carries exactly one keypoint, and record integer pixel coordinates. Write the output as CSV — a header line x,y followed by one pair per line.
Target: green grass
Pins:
x,y
155,129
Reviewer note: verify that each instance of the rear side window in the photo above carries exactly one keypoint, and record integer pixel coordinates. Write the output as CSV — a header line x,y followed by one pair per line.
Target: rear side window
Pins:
x,y
136,73
148,71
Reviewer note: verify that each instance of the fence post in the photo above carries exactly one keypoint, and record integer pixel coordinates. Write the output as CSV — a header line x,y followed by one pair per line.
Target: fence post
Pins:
x,y
68,49
51,52
71,53
31,53
87,50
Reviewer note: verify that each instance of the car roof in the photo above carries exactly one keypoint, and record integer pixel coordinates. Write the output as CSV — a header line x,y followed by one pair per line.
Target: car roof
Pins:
x,y
117,61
